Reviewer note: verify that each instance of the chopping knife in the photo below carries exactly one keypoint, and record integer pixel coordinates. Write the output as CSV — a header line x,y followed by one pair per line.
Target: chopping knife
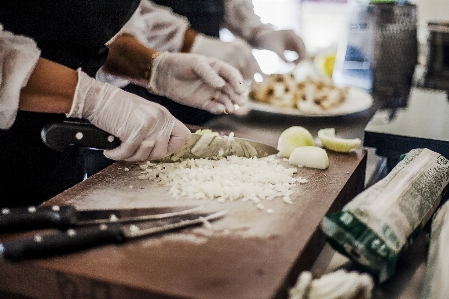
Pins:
x,y
59,135
95,235
63,217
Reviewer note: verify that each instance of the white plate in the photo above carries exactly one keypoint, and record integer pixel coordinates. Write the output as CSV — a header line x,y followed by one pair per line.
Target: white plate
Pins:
x,y
357,100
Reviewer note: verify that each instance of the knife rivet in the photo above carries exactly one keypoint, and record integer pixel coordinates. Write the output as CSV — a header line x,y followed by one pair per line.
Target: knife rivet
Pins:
x,y
111,138
71,232
103,227
134,228
113,218
55,208
5,211
38,238
32,209
79,135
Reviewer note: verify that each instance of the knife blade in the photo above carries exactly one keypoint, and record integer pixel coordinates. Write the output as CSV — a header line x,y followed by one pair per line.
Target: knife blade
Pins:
x,y
63,217
59,135
72,240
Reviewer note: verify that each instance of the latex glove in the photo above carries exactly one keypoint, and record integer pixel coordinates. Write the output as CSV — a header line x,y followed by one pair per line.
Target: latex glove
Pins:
x,y
197,81
279,41
237,53
147,130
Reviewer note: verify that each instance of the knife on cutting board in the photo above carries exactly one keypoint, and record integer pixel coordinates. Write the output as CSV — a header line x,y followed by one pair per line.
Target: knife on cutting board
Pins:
x,y
65,216
44,245
59,135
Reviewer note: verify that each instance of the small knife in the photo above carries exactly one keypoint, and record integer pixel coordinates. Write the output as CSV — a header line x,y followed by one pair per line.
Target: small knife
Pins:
x,y
63,217
96,235
59,135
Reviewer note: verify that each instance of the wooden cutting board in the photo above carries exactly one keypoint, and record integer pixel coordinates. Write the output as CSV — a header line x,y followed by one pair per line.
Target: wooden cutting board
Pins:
x,y
247,254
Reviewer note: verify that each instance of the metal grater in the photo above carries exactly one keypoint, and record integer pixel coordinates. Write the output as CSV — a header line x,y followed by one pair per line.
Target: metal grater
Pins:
x,y
395,48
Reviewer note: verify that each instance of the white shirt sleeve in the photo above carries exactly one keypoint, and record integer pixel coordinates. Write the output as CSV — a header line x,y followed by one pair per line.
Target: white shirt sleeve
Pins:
x,y
157,27
241,19
18,57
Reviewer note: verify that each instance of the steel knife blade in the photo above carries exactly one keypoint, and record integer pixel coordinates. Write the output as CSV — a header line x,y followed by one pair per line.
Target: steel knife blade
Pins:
x,y
59,135
65,216
39,246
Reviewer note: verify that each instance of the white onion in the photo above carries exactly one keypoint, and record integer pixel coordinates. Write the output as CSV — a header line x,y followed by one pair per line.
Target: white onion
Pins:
x,y
228,179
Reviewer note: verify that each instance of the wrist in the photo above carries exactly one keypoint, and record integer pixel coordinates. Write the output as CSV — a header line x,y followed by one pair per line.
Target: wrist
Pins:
x,y
189,38
256,33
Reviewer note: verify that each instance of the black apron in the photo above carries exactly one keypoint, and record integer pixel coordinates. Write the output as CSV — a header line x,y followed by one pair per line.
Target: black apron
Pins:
x,y
72,33
205,16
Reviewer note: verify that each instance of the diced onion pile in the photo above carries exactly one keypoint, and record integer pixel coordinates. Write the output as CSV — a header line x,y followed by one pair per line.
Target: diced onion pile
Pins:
x,y
228,179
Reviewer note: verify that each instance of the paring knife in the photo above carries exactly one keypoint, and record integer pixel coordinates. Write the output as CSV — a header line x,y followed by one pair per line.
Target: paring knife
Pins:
x,y
95,235
59,135
63,217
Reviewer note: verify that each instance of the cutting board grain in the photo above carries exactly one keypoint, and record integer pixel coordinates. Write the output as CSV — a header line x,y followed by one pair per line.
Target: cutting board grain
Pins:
x,y
248,254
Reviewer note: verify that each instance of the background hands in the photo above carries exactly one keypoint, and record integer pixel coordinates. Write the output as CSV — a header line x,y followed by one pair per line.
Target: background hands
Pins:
x,y
279,41
197,81
237,53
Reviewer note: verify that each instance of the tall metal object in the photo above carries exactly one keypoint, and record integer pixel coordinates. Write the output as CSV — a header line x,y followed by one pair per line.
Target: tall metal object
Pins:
x,y
380,51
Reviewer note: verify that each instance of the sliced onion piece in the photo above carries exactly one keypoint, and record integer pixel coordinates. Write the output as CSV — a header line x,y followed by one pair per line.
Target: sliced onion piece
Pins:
x,y
309,156
292,138
337,144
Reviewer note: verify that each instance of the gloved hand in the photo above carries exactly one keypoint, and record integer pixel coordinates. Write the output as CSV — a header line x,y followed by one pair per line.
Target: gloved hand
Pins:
x,y
147,130
237,53
197,81
279,41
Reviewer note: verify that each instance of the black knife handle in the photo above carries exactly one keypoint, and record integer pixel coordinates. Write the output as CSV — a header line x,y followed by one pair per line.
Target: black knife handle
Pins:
x,y
16,219
61,134
61,242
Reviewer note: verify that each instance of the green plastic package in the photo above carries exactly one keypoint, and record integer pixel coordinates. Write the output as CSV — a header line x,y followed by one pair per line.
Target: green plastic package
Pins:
x,y
377,226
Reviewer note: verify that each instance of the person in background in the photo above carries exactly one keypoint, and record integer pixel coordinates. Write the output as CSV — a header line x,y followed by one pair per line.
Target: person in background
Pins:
x,y
47,67
194,26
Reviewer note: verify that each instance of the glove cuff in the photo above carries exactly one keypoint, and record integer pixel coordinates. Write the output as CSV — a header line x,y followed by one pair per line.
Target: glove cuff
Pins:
x,y
81,92
156,58
198,43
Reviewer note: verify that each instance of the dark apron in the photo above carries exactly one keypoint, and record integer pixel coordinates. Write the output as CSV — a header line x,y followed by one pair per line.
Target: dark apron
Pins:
x,y
205,16
72,33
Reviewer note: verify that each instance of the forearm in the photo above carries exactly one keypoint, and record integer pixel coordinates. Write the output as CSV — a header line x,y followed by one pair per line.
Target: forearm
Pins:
x,y
50,88
130,59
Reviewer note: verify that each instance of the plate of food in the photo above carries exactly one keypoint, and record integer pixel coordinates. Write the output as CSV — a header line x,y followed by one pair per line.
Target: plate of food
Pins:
x,y
312,96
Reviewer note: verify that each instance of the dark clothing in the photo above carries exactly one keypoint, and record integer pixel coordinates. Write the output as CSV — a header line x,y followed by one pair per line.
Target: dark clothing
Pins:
x,y
205,16
72,33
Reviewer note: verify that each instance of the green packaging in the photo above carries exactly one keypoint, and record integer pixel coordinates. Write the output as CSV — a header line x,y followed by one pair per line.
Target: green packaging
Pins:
x,y
377,226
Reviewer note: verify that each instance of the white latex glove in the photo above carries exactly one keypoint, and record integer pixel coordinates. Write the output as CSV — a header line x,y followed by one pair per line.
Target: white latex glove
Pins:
x,y
279,41
197,81
237,53
147,130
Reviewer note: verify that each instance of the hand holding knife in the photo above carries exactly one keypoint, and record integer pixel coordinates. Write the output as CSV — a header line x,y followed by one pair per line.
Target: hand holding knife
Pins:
x,y
97,227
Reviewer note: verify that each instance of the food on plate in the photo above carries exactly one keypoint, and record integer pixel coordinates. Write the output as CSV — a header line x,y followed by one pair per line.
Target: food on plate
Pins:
x,y
309,156
334,285
310,95
376,227
337,144
292,138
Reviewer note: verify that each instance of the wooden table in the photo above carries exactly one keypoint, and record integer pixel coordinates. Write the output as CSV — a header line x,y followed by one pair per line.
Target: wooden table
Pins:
x,y
247,254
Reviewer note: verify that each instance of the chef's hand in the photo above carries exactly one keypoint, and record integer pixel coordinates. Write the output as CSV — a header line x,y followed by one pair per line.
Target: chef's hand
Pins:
x,y
147,130
237,53
197,81
279,41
